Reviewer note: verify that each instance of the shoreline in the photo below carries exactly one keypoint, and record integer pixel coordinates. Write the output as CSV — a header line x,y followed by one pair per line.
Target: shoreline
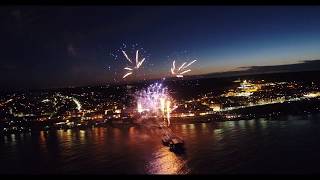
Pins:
x,y
193,120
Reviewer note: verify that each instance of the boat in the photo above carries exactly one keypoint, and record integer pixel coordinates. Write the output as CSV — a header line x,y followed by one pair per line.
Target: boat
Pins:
x,y
176,144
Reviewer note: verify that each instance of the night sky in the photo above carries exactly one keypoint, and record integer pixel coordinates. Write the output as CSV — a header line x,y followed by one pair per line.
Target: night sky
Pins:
x,y
45,47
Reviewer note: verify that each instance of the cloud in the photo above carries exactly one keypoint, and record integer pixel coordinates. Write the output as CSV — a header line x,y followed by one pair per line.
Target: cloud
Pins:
x,y
305,65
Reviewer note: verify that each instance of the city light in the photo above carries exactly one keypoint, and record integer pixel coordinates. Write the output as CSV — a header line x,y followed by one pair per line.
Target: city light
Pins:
x,y
155,101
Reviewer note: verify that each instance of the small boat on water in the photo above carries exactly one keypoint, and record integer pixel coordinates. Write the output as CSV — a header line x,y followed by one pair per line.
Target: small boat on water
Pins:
x,y
174,143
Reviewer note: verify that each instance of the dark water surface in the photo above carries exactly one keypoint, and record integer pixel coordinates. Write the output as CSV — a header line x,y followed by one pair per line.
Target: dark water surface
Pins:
x,y
252,146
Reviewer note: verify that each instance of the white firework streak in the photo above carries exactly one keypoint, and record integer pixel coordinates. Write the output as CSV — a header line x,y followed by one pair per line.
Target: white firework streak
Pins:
x,y
125,55
178,72
129,69
140,63
128,74
182,66
137,65
137,56
173,67
185,71
190,63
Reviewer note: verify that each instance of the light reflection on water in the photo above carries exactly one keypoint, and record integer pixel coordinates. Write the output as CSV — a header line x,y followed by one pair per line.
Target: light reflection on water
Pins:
x,y
165,162
225,147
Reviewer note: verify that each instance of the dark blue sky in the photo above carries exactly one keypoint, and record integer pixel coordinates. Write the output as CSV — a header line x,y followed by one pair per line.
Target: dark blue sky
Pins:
x,y
69,46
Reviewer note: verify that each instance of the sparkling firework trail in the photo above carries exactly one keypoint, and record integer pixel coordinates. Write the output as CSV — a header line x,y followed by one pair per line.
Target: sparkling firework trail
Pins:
x,y
177,72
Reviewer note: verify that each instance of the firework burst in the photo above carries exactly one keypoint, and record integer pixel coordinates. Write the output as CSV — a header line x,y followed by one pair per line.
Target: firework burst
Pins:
x,y
155,101
133,65
179,72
